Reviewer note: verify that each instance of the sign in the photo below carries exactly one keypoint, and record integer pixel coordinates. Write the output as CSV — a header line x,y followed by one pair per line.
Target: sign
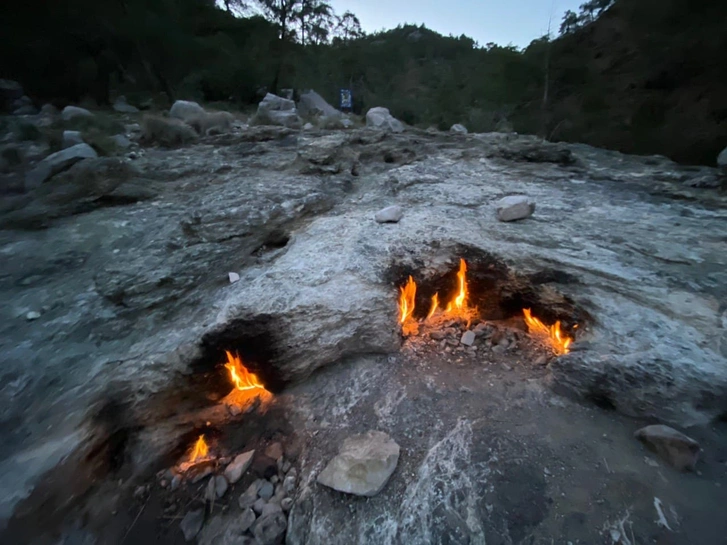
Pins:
x,y
346,100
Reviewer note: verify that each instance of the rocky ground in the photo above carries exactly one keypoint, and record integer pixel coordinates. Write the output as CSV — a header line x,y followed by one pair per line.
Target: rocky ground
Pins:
x,y
119,307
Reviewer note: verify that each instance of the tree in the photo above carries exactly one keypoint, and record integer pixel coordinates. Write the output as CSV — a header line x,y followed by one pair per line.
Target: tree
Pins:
x,y
282,13
570,22
315,18
347,27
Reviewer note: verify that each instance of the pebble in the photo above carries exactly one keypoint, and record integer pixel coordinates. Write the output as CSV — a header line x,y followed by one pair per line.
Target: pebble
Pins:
x,y
271,508
248,498
259,505
289,484
541,360
234,277
246,520
390,214
286,504
239,465
32,315
286,466
274,451
468,338
274,479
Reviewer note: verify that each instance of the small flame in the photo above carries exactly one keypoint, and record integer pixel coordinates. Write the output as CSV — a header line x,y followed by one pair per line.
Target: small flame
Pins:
x,y
461,300
406,300
435,305
200,450
240,376
553,334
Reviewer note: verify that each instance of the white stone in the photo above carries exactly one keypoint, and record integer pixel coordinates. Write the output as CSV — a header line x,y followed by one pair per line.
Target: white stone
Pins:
x,y
363,465
32,315
458,129
72,112
273,102
311,104
71,138
234,277
381,118
186,110
238,466
57,162
514,207
308,127
275,110
390,214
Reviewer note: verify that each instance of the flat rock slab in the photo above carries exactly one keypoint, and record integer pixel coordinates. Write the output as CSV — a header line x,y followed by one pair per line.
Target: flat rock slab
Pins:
x,y
56,162
192,523
363,465
678,450
72,112
514,207
390,214
238,466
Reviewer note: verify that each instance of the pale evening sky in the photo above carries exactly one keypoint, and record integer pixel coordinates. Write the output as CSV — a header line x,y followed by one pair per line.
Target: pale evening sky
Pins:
x,y
504,22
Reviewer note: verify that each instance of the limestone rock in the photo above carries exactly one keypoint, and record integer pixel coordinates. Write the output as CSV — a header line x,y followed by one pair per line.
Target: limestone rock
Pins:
x,y
273,102
363,465
270,529
308,127
121,106
458,129
266,490
71,138
216,488
233,277
390,214
286,504
289,483
246,520
275,110
185,110
56,162
271,508
72,112
238,466
311,104
678,450
32,315
192,523
514,207
249,496
381,118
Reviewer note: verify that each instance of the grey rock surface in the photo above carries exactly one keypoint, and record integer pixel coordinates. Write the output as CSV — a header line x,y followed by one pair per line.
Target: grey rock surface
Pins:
x,y
192,523
270,529
514,207
121,106
678,450
363,465
132,269
311,104
390,214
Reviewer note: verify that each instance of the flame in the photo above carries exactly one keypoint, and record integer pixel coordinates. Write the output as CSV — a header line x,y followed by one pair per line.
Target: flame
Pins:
x,y
241,377
435,305
461,299
406,300
553,334
199,451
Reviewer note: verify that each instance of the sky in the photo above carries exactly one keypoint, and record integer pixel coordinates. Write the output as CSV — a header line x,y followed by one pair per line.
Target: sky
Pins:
x,y
504,22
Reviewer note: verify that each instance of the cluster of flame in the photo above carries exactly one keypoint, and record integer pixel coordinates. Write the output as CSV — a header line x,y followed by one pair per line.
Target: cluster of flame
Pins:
x,y
456,307
459,307
242,379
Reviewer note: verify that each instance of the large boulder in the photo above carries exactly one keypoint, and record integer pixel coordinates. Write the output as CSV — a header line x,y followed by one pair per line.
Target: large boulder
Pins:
x,y
73,112
185,110
381,118
363,465
275,110
121,106
57,162
311,104
722,160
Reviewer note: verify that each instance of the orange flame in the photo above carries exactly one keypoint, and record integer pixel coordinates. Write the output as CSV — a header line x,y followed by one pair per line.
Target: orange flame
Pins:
x,y
199,451
460,302
241,377
434,307
552,334
406,300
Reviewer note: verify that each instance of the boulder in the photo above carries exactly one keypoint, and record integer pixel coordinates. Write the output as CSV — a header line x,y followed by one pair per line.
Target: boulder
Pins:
x,y
72,138
722,160
458,129
390,214
73,112
121,106
185,110
514,207
275,110
120,141
167,131
381,118
678,450
363,465
57,162
25,109
311,104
